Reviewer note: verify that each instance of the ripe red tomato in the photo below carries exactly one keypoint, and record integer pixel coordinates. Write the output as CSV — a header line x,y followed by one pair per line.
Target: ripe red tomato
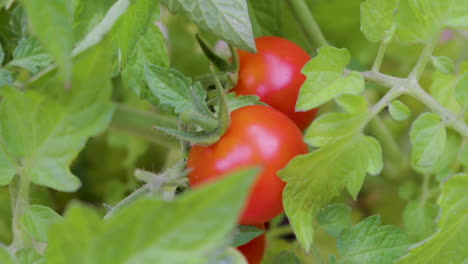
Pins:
x,y
274,74
255,249
258,135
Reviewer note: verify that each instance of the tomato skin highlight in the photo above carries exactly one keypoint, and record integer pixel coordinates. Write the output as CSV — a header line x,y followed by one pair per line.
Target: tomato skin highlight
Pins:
x,y
258,136
274,74
255,249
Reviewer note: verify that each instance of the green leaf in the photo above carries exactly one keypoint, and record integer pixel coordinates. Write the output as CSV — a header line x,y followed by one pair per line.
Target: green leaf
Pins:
x,y
36,221
443,64
334,218
408,190
228,20
172,88
150,49
43,129
461,91
53,26
428,138
352,103
286,257
264,16
246,234
130,26
5,77
325,79
421,20
378,19
399,111
313,179
443,90
450,154
30,56
87,14
369,243
236,102
420,219
451,236
153,228
5,257
28,256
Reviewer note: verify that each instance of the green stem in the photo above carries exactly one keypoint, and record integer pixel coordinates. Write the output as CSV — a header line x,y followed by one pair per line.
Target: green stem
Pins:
x,y
307,22
422,61
19,191
139,123
142,191
425,189
380,55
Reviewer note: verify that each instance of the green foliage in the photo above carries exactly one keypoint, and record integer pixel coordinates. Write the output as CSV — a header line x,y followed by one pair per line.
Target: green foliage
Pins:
x,y
5,256
428,137
449,237
53,26
29,55
246,234
399,111
286,257
5,77
37,219
419,219
443,64
378,19
368,242
227,20
461,91
155,225
325,78
334,218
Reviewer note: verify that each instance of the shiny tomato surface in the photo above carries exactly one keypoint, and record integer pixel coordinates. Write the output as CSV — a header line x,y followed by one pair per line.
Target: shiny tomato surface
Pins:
x,y
258,136
255,249
274,74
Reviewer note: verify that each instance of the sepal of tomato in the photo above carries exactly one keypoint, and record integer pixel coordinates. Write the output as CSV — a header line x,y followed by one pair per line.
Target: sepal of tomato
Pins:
x,y
258,136
274,74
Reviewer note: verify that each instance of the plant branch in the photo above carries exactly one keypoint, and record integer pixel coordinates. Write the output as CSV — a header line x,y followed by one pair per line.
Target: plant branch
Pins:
x,y
139,123
140,192
19,191
307,22
422,61
380,55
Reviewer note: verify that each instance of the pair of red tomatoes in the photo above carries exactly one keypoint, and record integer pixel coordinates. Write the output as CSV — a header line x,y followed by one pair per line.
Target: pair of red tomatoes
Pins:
x,y
263,136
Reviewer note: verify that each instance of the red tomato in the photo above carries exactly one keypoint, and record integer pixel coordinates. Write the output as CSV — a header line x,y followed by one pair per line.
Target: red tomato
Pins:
x,y
258,135
255,249
274,74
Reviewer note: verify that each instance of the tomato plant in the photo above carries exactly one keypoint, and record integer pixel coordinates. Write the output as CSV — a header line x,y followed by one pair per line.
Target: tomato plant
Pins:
x,y
274,74
254,250
257,136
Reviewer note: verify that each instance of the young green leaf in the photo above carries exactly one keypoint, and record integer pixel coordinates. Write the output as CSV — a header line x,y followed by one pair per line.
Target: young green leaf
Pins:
x,y
130,26
421,20
313,179
150,49
172,88
352,103
420,219
5,77
30,56
461,91
449,155
378,19
450,236
325,78
227,20
443,64
53,26
369,243
87,14
5,257
246,234
334,218
399,111
443,90
37,219
428,138
155,227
